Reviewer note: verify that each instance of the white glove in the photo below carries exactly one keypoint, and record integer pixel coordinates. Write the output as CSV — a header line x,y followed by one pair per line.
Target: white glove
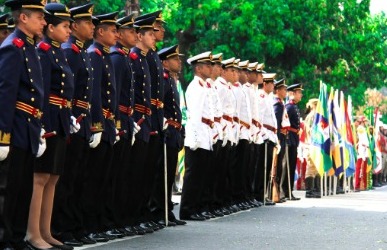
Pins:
x,y
42,144
278,148
74,126
224,143
95,139
117,137
136,128
215,139
165,126
4,150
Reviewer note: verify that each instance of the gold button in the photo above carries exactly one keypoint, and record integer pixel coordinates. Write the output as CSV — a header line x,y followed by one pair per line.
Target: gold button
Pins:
x,y
32,90
29,70
108,74
26,59
85,97
29,119
62,83
107,66
109,83
87,87
63,75
56,60
109,101
144,99
32,99
61,91
143,91
108,92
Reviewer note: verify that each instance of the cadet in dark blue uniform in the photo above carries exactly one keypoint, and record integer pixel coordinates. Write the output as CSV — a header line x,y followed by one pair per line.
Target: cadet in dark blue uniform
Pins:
x,y
174,137
3,27
21,99
118,200
58,93
142,116
67,214
281,115
295,95
155,145
103,109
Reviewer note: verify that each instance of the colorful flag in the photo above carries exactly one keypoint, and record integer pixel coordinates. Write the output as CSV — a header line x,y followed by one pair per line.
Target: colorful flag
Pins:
x,y
320,148
348,138
336,140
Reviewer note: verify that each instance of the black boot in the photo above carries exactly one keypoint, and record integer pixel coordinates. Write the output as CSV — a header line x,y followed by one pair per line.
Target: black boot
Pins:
x,y
309,183
317,186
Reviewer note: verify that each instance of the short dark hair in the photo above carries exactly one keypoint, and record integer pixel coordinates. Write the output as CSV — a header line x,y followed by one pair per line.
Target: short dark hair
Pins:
x,y
143,31
103,26
16,14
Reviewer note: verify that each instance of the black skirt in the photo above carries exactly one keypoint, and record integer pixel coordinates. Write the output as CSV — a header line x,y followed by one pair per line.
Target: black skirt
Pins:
x,y
52,160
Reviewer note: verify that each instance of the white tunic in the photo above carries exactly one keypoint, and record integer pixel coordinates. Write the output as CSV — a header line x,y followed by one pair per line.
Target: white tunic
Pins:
x,y
267,116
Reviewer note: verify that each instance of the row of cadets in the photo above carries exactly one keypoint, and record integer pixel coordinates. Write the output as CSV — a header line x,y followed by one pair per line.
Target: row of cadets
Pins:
x,y
21,98
119,200
240,172
173,136
7,25
209,197
266,117
198,141
254,76
58,122
142,116
67,221
293,139
96,191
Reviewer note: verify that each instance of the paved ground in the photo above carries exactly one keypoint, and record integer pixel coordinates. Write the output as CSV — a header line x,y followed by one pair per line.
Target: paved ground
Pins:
x,y
351,221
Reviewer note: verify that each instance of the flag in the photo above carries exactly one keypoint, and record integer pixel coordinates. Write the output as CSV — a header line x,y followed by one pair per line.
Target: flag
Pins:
x,y
349,159
336,140
320,151
183,108
378,149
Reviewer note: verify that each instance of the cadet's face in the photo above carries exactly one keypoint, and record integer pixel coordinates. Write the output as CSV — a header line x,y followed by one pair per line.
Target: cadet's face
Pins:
x,y
269,87
128,37
260,78
34,23
84,29
174,64
281,92
161,31
297,95
236,75
206,70
228,74
252,76
109,35
59,33
242,76
148,39
216,69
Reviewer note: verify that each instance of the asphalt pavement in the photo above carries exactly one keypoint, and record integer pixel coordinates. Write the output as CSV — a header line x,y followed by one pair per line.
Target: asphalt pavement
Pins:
x,y
350,221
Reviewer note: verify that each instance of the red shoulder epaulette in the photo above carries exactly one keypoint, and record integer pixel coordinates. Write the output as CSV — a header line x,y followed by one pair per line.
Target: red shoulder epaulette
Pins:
x,y
208,85
133,55
44,46
98,52
121,51
18,42
75,48
166,75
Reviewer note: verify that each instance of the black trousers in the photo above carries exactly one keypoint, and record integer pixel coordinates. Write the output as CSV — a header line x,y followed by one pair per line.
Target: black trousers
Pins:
x,y
67,213
152,168
210,178
139,153
158,197
250,173
17,179
230,178
196,164
115,215
260,173
239,171
221,176
292,151
95,192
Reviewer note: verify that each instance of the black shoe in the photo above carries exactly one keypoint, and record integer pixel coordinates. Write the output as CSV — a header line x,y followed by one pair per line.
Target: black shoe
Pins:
x,y
138,230
129,231
217,213
115,233
293,198
62,247
32,247
269,202
207,215
179,222
109,237
68,239
235,208
195,217
283,199
155,226
225,211
97,237
85,240
146,228
170,223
